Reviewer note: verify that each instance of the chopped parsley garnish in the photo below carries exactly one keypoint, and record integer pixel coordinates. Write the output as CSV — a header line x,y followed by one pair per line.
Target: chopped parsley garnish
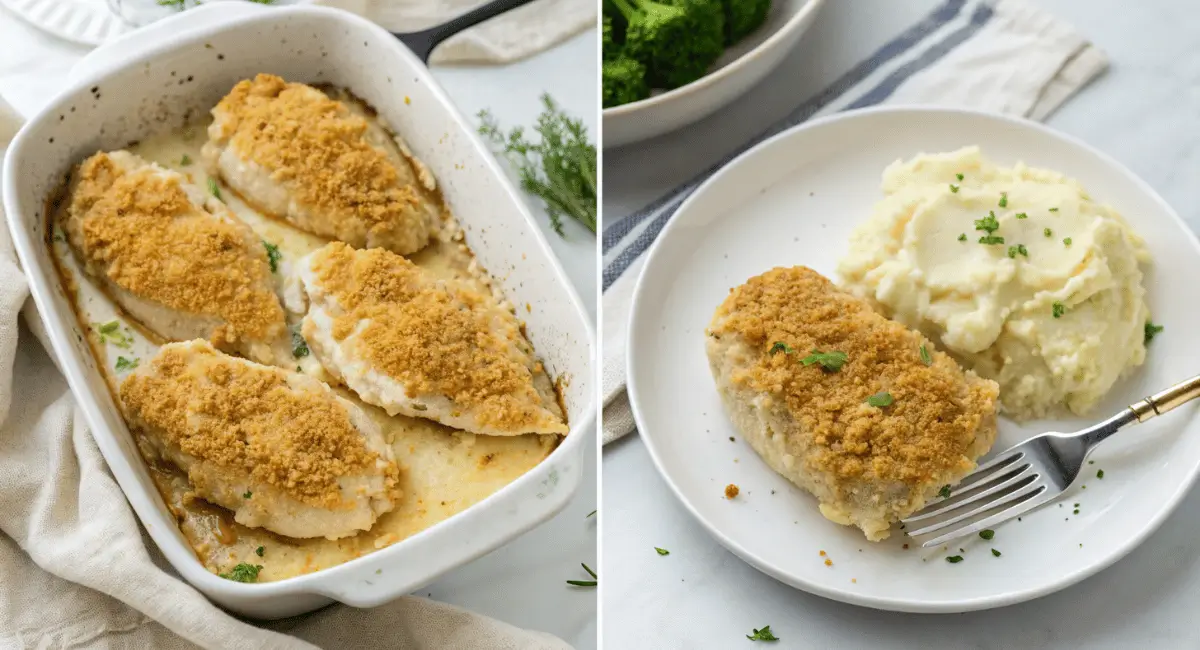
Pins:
x,y
185,161
958,176
110,332
880,400
299,346
178,4
273,256
212,187
1022,215
832,361
590,514
780,346
259,551
988,224
1067,241
962,237
987,534
991,240
926,358
243,573
1099,473
1004,199
944,492
585,583
248,494
954,188
954,559
995,553
1058,309
762,635
662,551
1150,332
124,364
1047,232
1019,249
1054,209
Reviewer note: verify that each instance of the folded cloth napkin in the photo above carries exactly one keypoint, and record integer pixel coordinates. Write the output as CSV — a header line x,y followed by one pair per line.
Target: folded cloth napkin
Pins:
x,y
76,570
510,37
1006,56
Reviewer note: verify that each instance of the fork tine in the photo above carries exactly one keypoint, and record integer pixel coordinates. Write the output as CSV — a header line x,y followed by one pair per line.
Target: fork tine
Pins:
x,y
998,463
1038,497
1007,477
1030,483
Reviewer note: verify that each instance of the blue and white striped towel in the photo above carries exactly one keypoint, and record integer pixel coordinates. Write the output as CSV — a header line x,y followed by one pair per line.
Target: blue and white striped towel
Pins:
x,y
1005,56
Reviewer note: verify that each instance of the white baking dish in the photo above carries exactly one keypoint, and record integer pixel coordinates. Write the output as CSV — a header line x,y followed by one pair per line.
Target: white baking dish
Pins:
x,y
158,86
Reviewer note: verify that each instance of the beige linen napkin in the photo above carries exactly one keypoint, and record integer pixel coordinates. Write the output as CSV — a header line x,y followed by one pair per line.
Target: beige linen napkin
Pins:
x,y
512,36
76,569
1005,56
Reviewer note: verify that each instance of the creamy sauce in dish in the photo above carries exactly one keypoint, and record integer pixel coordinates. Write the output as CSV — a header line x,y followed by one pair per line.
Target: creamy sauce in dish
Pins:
x,y
442,471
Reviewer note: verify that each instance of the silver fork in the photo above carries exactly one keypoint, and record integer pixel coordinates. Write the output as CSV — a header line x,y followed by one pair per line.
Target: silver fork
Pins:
x,y
1031,473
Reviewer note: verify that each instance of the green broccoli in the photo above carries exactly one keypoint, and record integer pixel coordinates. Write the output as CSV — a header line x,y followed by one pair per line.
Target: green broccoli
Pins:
x,y
610,49
743,17
676,44
712,10
624,81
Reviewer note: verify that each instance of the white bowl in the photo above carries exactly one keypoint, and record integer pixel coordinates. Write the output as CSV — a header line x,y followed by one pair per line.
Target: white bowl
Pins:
x,y
739,68
794,199
158,86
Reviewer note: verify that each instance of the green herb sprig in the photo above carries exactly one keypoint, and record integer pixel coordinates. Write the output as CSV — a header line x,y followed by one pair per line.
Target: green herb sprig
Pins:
x,y
763,634
243,573
559,169
831,361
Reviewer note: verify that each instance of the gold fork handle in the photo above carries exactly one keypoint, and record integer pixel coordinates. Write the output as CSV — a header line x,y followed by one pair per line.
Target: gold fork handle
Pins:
x,y
1163,401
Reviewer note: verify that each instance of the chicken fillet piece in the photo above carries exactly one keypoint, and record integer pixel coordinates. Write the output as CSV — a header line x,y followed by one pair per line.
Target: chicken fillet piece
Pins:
x,y
293,152
409,343
795,360
279,449
172,256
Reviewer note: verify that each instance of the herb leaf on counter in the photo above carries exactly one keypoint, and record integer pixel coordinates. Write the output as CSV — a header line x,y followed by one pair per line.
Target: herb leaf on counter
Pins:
x,y
559,169
763,635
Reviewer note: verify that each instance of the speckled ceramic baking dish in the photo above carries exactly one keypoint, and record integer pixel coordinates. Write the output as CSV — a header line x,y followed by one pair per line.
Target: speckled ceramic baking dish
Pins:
x,y
159,84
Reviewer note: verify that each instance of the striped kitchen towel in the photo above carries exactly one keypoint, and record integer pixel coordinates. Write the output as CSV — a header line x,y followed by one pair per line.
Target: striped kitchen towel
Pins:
x,y
1005,56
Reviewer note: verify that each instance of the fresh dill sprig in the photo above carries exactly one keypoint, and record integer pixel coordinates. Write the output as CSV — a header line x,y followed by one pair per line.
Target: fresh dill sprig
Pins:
x,y
559,169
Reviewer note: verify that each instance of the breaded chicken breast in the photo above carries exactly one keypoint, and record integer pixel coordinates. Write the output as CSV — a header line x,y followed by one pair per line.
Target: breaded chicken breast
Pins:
x,y
172,256
409,343
294,153
278,448
856,409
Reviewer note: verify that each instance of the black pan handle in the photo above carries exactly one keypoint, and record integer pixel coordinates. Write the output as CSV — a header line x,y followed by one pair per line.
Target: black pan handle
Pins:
x,y
423,42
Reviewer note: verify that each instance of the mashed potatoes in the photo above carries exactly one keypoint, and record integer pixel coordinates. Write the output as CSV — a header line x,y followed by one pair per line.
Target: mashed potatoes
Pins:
x,y
1015,270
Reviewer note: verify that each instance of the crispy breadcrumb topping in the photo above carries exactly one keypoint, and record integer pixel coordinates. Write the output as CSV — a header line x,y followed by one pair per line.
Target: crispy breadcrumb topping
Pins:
x,y
140,229
248,418
924,432
432,339
317,147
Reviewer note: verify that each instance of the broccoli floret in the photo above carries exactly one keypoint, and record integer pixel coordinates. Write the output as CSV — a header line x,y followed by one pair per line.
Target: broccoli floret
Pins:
x,y
676,44
743,17
711,10
609,46
624,81
611,12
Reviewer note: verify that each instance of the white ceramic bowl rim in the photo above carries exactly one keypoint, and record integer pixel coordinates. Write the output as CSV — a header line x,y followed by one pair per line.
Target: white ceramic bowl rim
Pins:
x,y
722,72
1169,503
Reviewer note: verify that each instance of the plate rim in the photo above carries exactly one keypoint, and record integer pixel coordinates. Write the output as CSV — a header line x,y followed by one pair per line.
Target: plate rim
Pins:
x,y
1170,504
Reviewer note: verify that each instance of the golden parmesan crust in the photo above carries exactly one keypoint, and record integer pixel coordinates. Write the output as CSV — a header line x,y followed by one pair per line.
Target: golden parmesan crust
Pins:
x,y
318,149
248,418
433,340
139,229
929,431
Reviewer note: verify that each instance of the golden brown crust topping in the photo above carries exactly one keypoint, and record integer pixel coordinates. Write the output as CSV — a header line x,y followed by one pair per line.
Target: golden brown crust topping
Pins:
x,y
245,417
433,341
148,238
303,137
924,433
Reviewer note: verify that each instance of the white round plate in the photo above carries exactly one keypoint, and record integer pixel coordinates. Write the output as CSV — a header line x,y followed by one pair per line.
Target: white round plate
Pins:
x,y
89,22
794,200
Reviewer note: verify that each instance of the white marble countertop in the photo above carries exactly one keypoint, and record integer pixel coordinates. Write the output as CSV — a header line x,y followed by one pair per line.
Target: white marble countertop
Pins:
x,y
1145,112
534,566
